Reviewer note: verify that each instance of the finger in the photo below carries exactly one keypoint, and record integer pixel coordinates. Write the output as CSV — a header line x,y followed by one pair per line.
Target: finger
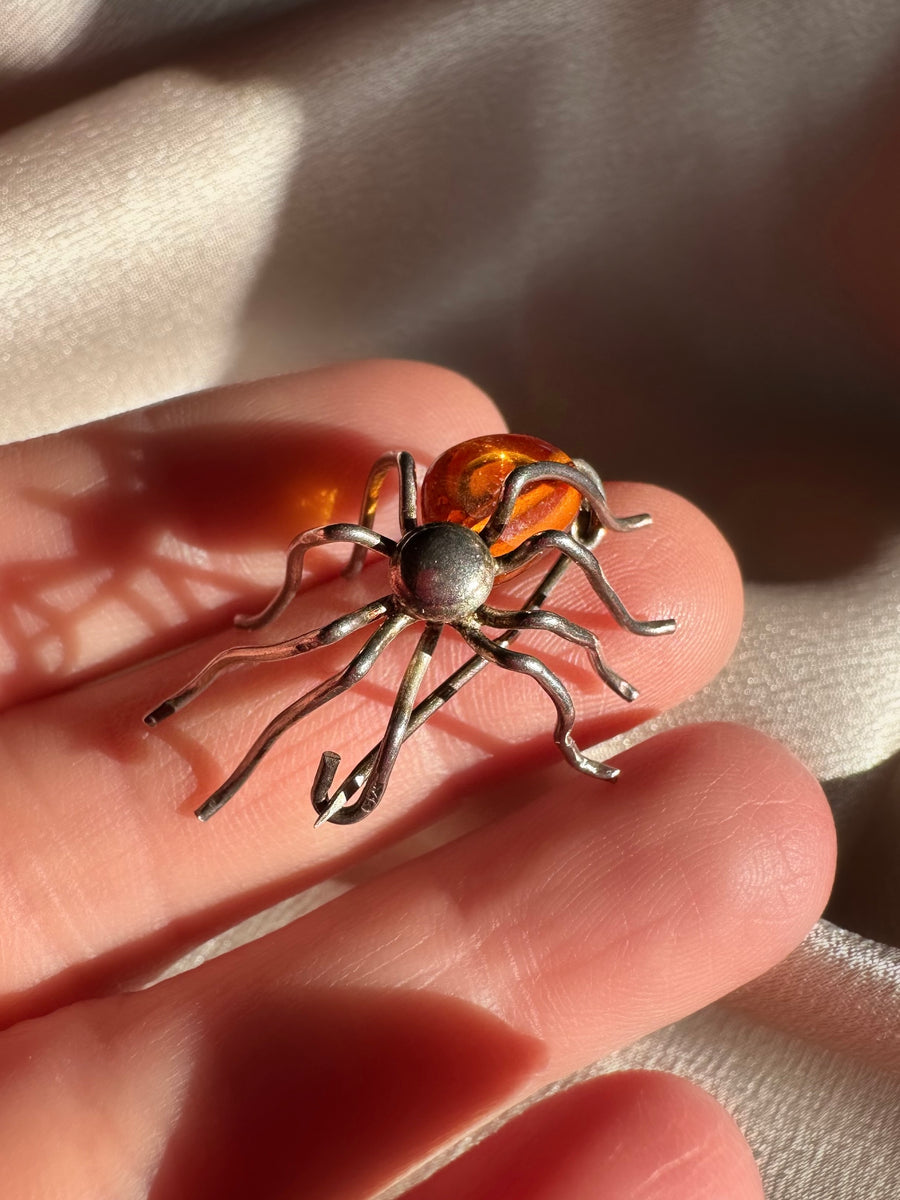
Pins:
x,y
576,926
128,536
106,869
620,1136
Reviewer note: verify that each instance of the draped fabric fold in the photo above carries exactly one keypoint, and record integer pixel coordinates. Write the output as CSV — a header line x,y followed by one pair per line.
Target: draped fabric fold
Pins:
x,y
662,235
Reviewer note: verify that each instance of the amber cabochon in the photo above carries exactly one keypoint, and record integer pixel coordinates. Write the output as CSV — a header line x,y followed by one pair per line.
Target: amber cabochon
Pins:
x,y
463,486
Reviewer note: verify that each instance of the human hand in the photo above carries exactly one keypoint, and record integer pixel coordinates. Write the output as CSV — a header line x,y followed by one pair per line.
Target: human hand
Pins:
x,y
331,1057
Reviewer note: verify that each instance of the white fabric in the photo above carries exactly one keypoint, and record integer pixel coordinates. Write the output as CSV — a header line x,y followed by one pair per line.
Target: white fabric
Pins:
x,y
661,234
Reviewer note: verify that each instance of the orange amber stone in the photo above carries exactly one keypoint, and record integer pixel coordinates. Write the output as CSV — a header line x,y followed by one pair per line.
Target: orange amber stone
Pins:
x,y
463,486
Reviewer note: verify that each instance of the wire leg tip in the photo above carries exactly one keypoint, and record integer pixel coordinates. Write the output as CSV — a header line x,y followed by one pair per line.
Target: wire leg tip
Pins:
x,y
166,709
210,807
333,808
329,762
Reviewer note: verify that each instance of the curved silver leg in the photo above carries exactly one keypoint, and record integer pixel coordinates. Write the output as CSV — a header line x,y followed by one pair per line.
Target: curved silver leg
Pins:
x,y
527,664
587,528
539,472
553,539
335,808
364,539
307,703
406,469
324,636
551,622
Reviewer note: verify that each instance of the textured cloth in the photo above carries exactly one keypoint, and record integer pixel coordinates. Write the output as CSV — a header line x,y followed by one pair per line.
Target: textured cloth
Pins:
x,y
661,234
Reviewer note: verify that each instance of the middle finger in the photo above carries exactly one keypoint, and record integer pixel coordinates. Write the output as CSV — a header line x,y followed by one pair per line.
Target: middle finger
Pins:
x,y
105,870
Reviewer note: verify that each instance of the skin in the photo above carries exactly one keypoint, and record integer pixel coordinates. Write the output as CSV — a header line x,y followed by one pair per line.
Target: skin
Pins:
x,y
558,919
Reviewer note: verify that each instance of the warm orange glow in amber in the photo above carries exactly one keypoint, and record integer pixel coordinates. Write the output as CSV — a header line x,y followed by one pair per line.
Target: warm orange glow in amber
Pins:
x,y
303,505
464,485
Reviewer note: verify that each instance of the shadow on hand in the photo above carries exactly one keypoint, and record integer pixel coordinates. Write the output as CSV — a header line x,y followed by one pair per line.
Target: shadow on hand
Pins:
x,y
336,1094
146,537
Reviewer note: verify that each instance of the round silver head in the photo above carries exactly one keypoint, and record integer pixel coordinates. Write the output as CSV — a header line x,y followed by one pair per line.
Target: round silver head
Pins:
x,y
442,572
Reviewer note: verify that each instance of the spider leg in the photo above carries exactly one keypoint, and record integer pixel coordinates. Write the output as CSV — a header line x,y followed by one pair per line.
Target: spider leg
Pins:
x,y
537,472
335,808
363,538
587,528
409,517
324,636
307,703
552,622
555,539
527,664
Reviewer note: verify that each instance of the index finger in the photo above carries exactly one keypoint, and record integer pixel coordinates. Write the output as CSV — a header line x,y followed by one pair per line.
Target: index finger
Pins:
x,y
130,536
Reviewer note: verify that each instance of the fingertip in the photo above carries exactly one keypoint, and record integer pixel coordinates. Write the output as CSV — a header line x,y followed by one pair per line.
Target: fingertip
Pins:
x,y
766,826
678,571
791,858
421,406
700,568
699,1149
640,1133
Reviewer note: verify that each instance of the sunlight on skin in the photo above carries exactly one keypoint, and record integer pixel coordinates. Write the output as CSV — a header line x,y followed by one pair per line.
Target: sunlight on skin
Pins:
x,y
578,919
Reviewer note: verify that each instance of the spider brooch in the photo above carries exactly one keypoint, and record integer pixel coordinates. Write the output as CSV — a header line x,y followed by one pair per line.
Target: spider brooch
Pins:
x,y
488,507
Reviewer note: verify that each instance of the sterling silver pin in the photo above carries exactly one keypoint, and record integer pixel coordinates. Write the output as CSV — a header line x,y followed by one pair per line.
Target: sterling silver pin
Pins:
x,y
488,507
